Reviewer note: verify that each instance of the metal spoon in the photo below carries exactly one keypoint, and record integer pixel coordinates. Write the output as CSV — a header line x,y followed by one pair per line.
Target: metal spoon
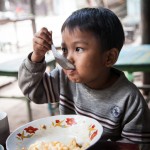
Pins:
x,y
61,60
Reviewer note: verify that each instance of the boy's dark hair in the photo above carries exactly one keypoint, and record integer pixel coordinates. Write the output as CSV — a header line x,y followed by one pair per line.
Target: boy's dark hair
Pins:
x,y
102,22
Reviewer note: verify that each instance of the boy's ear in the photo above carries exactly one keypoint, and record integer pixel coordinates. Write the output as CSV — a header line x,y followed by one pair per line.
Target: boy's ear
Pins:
x,y
111,57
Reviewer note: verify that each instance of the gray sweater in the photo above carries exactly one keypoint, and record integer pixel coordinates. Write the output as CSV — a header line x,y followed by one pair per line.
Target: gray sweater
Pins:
x,y
121,109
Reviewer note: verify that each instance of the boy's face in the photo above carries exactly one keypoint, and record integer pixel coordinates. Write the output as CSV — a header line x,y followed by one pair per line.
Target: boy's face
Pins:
x,y
83,50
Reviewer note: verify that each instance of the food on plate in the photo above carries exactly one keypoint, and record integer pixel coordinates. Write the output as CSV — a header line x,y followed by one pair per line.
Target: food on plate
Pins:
x,y
43,126
55,145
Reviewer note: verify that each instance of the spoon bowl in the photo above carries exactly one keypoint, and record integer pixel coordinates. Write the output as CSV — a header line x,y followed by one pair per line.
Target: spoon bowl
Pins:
x,y
61,60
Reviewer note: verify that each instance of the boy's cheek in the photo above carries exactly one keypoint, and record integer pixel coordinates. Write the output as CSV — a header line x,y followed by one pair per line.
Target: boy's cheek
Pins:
x,y
64,71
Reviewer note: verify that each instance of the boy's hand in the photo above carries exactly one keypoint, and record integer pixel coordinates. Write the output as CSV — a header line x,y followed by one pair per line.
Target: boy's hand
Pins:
x,y
41,44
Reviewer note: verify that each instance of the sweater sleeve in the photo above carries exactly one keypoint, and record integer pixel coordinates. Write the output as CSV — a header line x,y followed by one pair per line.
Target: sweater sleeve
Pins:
x,y
136,123
37,85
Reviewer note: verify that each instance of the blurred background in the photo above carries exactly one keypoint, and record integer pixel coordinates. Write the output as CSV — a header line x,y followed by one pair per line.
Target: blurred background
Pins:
x,y
28,16
20,19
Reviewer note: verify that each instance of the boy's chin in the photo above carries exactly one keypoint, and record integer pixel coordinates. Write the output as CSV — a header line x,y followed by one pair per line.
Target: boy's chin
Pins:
x,y
74,80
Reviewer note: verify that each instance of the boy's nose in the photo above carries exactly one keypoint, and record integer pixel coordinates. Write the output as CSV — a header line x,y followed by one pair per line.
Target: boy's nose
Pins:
x,y
70,57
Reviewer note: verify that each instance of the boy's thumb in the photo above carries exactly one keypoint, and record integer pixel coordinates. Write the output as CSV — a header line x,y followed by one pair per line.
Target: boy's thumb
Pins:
x,y
50,32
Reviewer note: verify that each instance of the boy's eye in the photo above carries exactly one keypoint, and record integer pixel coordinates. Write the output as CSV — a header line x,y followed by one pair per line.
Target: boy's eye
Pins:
x,y
79,49
64,50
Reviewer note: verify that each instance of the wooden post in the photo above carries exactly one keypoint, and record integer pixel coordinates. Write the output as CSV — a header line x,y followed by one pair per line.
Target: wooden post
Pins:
x,y
32,8
3,5
145,21
145,31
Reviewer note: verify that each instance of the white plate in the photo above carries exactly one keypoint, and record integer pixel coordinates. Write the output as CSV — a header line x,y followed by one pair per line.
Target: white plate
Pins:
x,y
61,128
1,147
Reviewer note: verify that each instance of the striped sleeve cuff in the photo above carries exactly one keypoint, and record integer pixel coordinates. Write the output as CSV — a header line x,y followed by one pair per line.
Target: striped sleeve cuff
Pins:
x,y
49,89
137,137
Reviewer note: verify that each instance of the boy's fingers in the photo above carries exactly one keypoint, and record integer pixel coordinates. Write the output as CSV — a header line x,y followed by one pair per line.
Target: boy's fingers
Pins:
x,y
42,43
38,47
45,30
45,35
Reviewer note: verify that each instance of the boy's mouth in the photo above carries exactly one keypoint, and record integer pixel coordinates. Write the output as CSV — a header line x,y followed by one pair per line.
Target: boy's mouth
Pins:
x,y
70,72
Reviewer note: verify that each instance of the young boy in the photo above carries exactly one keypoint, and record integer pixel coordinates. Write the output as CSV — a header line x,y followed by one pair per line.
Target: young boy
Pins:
x,y
91,40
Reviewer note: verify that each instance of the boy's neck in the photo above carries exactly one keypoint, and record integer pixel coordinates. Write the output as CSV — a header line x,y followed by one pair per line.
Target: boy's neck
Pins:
x,y
111,79
108,80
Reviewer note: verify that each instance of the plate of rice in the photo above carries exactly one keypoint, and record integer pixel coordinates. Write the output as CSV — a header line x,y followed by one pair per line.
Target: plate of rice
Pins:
x,y
61,132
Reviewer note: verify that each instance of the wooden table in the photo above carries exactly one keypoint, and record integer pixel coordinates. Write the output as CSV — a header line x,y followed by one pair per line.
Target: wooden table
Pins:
x,y
134,58
11,67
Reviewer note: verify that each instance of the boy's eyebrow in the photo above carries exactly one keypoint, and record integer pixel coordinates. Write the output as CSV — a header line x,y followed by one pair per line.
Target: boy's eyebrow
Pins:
x,y
77,42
